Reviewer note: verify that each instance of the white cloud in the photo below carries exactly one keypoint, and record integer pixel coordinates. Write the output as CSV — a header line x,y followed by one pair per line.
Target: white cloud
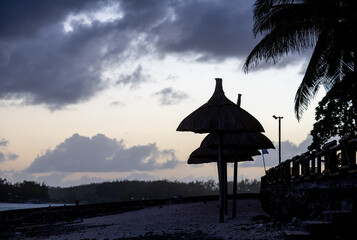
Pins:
x,y
288,151
102,154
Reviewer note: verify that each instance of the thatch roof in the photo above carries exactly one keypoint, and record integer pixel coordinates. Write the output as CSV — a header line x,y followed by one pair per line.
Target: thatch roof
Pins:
x,y
220,114
206,155
210,160
238,141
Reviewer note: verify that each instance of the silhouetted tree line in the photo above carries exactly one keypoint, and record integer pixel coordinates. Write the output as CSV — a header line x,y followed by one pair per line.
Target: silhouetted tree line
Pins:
x,y
139,190
115,191
131,190
245,186
27,191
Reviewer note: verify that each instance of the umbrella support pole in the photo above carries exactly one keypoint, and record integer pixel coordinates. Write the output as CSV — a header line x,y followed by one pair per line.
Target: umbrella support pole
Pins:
x,y
225,188
221,179
235,180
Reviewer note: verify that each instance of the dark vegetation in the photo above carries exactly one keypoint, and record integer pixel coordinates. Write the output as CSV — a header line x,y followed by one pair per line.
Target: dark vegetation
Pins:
x,y
334,115
115,191
27,191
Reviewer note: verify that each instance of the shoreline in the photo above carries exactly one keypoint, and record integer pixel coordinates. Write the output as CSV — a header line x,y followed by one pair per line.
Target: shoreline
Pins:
x,y
188,220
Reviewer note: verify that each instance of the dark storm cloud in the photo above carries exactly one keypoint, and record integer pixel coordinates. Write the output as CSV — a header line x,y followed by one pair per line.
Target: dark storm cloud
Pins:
x,y
168,96
41,64
288,151
102,154
24,19
215,29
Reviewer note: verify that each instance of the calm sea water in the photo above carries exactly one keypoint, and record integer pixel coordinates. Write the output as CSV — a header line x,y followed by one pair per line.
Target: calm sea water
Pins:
x,y
13,206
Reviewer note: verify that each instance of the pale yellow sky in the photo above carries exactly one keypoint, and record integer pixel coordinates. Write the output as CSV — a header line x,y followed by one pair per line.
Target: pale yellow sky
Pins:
x,y
140,120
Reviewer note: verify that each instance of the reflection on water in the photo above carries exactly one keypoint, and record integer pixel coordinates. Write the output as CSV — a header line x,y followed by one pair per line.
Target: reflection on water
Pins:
x,y
13,206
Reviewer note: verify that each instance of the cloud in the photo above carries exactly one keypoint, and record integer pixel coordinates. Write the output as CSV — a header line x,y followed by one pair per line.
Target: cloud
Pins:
x,y
8,157
214,29
140,176
102,154
288,151
117,104
55,68
23,19
3,142
134,79
12,156
2,157
57,53
168,96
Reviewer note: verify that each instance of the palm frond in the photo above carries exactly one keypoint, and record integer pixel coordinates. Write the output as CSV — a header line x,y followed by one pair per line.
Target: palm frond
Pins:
x,y
281,16
280,42
314,76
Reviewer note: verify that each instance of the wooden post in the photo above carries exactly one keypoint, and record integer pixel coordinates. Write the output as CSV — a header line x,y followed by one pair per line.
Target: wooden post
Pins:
x,y
221,179
235,179
225,187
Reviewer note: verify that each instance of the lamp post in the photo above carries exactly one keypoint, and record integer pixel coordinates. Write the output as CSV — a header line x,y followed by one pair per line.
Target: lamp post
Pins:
x,y
279,136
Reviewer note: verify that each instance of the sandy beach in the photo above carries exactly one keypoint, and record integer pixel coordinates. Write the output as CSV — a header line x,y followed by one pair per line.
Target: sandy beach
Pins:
x,y
176,221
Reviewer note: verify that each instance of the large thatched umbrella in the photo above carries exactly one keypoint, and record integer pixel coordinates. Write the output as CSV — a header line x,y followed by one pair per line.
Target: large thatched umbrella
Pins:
x,y
237,142
220,115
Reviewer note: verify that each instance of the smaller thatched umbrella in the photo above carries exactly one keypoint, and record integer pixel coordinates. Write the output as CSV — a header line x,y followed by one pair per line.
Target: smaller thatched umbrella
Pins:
x,y
228,154
255,140
193,160
208,155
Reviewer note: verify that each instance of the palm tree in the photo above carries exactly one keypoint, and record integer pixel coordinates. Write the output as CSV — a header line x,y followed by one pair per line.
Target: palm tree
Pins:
x,y
328,26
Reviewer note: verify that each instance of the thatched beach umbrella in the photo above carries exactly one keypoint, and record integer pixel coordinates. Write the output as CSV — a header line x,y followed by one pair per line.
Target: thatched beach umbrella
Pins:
x,y
212,153
220,115
255,140
202,160
208,155
237,141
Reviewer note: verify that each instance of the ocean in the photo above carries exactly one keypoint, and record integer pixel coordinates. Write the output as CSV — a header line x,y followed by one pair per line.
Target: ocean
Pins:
x,y
14,206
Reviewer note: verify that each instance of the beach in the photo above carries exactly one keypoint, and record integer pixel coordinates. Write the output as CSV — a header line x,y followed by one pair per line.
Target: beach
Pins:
x,y
199,220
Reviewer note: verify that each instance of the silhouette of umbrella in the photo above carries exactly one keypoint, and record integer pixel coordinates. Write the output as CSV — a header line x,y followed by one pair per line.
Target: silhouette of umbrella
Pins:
x,y
236,141
255,140
220,115
208,155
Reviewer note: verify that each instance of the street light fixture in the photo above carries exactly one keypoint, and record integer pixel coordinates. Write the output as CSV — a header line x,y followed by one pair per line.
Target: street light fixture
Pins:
x,y
279,136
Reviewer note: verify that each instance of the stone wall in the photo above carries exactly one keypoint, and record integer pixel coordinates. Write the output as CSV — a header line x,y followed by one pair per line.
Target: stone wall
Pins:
x,y
313,182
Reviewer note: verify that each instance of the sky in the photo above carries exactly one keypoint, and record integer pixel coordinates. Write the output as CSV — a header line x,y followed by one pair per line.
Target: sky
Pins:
x,y
93,90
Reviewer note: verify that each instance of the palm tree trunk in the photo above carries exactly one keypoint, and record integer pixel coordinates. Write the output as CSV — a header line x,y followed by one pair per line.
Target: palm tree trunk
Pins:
x,y
354,95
